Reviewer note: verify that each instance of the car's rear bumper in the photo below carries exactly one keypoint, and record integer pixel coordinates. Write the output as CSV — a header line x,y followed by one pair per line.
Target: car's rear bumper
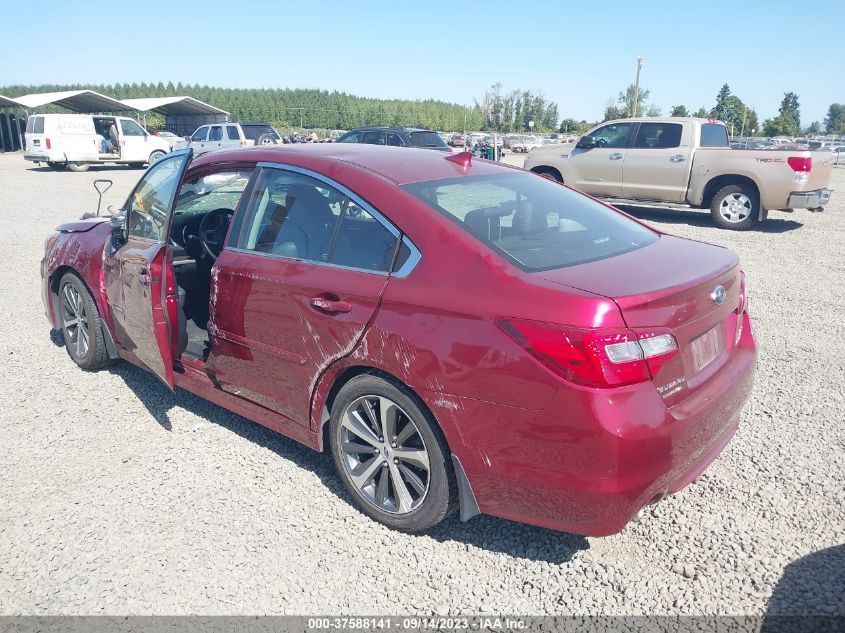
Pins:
x,y
808,199
38,158
591,459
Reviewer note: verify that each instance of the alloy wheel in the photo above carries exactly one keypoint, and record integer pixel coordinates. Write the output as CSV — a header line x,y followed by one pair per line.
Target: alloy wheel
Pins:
x,y
384,454
735,207
75,320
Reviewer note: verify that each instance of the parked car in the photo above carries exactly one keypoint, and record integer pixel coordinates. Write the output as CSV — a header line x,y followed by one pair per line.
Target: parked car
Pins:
x,y
790,147
457,140
395,136
460,335
686,163
217,136
77,141
170,137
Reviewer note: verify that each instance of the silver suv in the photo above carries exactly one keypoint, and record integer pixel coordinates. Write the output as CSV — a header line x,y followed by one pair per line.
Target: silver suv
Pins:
x,y
217,136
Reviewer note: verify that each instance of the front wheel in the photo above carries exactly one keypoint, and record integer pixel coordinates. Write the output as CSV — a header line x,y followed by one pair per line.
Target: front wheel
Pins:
x,y
155,156
81,325
78,166
391,455
735,207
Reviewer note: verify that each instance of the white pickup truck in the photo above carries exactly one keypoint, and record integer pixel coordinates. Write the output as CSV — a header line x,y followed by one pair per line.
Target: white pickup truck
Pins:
x,y
686,163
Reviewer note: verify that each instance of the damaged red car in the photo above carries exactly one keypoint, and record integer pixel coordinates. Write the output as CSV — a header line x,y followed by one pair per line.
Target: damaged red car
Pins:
x,y
460,335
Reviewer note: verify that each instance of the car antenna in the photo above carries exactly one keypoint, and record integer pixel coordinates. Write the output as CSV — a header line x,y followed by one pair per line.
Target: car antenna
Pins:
x,y
88,215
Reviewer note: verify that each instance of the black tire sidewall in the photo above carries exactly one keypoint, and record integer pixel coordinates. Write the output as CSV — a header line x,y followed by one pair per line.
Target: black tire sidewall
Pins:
x,y
442,493
716,213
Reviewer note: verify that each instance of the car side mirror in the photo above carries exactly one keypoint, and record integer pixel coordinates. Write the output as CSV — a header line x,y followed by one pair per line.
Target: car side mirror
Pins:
x,y
586,142
119,229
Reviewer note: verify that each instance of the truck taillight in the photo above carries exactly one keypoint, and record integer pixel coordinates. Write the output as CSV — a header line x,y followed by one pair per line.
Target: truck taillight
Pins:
x,y
603,357
47,143
800,163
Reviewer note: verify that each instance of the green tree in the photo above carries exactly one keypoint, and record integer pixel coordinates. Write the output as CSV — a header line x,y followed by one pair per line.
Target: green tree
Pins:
x,y
752,125
788,121
701,113
814,128
626,98
834,122
679,110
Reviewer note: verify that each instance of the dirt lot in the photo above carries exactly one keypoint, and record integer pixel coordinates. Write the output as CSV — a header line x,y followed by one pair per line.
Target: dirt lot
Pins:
x,y
117,496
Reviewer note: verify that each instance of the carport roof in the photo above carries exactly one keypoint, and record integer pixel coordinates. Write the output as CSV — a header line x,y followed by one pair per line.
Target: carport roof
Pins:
x,y
77,100
173,105
8,102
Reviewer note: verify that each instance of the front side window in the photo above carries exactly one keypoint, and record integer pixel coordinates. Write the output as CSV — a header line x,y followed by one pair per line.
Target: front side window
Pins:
x,y
130,128
533,222
614,135
351,137
200,134
150,203
216,133
294,215
395,140
658,136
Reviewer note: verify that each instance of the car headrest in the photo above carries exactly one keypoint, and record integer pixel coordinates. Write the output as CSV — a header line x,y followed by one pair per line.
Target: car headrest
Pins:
x,y
529,219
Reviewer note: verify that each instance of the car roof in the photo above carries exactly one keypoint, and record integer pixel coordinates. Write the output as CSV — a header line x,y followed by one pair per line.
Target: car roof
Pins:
x,y
399,165
390,128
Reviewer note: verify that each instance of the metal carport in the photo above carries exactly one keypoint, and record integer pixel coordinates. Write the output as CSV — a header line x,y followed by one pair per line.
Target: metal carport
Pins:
x,y
11,125
183,115
75,100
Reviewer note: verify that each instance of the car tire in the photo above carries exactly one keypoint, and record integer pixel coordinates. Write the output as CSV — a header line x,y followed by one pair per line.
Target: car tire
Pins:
x,y
735,207
370,476
78,167
548,172
266,139
57,166
81,325
155,156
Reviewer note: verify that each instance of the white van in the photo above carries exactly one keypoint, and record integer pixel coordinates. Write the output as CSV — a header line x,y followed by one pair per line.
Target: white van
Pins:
x,y
76,141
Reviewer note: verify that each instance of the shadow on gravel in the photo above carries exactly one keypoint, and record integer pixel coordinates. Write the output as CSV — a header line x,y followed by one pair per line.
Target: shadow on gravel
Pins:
x,y
484,532
810,595
702,219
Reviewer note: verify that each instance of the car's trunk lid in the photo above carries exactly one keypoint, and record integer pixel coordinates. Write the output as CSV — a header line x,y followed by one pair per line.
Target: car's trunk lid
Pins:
x,y
672,283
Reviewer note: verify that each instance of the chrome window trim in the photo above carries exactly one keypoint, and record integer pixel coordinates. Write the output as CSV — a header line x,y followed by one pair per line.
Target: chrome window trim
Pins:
x,y
299,260
412,261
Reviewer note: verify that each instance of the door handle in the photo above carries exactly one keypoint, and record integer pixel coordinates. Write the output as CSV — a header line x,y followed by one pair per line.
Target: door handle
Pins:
x,y
331,305
615,156
677,158
144,279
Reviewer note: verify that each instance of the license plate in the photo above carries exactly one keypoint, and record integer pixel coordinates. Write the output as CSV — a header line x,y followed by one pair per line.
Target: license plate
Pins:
x,y
706,348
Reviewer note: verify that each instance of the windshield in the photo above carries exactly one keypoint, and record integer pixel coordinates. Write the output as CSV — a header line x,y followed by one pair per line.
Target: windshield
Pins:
x,y
426,139
252,132
533,222
213,191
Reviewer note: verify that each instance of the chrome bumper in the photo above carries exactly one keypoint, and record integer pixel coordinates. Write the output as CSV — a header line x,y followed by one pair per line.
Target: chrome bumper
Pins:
x,y
809,199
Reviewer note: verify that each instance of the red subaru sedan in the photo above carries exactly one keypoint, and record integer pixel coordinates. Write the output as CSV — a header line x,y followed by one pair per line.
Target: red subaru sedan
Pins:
x,y
461,335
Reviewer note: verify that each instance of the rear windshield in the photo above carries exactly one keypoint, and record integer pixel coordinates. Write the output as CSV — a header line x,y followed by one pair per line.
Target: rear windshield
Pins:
x,y
427,139
252,132
714,135
35,125
533,222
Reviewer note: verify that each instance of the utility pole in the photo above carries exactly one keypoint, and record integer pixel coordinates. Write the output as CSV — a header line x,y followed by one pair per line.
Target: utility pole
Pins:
x,y
640,61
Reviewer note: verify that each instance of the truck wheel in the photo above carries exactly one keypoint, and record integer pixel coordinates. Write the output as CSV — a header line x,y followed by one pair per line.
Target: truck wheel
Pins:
x,y
78,166
56,166
548,172
155,156
735,207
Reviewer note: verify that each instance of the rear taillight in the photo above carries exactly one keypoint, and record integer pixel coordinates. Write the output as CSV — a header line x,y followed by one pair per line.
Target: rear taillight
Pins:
x,y
594,357
47,143
800,163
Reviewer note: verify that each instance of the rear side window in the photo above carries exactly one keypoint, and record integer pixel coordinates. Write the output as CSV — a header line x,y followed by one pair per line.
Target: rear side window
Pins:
x,y
373,137
714,135
232,133
200,134
533,222
252,132
658,135
426,139
216,133
35,125
293,215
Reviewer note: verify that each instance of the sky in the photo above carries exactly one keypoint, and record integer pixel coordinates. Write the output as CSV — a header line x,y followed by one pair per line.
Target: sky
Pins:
x,y
579,54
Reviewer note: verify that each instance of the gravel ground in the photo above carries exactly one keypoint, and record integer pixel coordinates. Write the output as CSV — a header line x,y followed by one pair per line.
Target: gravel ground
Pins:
x,y
117,496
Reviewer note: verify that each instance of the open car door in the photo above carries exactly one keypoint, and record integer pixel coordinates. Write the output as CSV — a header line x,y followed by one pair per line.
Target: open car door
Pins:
x,y
138,294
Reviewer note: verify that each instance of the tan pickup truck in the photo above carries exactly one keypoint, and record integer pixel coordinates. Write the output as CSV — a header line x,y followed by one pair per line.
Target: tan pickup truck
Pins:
x,y
687,163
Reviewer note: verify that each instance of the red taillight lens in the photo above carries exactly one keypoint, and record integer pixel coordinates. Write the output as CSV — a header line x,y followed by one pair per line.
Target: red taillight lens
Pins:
x,y
594,357
47,142
800,163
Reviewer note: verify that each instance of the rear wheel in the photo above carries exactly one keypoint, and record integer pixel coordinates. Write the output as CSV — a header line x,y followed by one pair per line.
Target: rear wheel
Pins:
x,y
391,455
81,326
57,166
78,166
735,207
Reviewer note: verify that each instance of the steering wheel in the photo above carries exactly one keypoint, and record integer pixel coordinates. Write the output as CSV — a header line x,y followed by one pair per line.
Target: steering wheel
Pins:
x,y
212,230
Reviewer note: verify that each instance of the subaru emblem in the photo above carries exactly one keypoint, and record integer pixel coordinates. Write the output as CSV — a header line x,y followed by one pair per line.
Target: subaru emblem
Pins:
x,y
719,295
